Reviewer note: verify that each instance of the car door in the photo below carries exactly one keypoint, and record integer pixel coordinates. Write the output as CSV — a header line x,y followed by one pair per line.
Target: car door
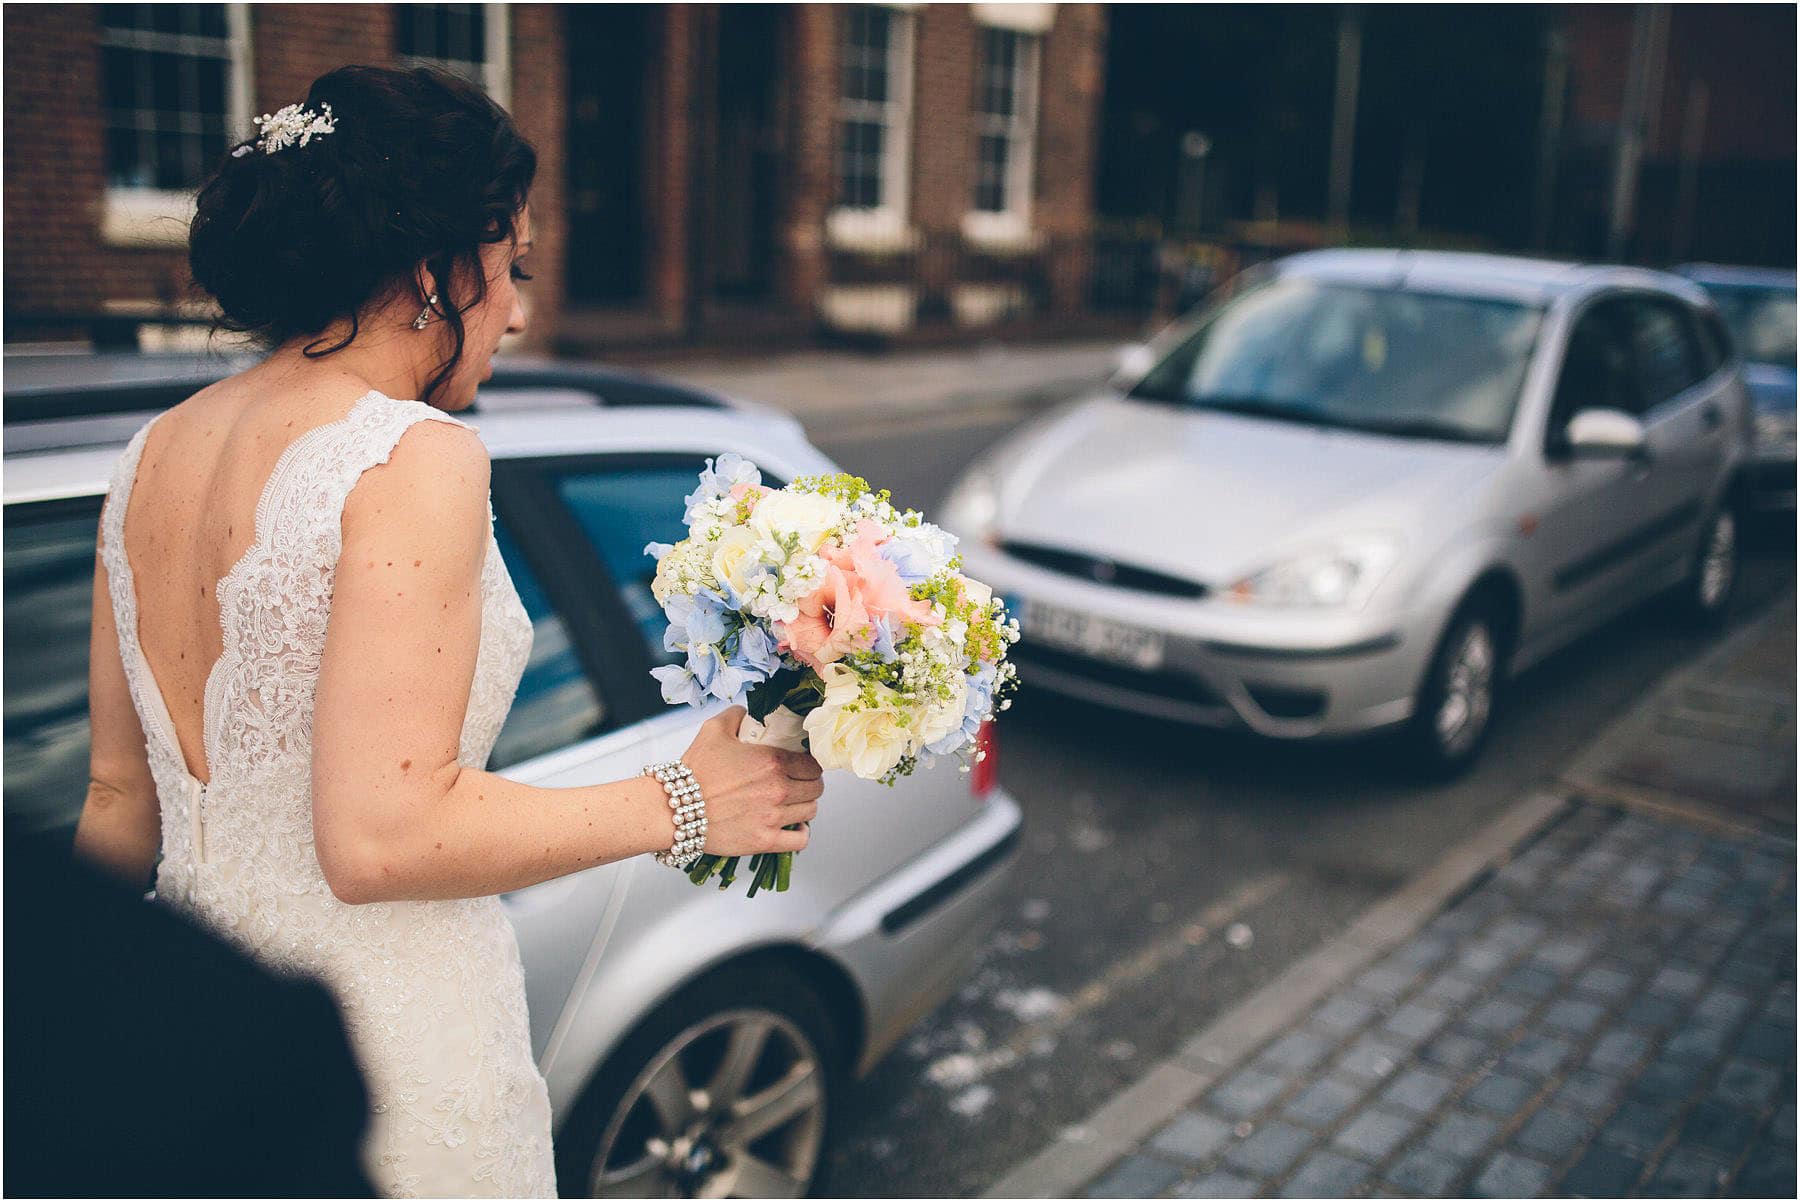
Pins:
x,y
1687,422
1591,510
619,502
49,576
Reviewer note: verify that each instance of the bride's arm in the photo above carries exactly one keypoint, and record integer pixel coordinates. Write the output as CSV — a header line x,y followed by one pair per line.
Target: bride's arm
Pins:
x,y
394,815
120,828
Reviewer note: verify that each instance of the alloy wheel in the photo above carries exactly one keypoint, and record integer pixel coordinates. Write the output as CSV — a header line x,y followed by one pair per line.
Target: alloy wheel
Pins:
x,y
1468,691
731,1107
1718,561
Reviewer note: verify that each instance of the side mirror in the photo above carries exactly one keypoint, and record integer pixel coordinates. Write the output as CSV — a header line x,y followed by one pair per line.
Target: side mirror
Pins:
x,y
1605,434
1131,364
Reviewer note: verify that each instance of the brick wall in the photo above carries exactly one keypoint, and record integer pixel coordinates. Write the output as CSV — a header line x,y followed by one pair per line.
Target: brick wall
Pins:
x,y
810,70
54,159
55,173
539,91
1068,149
56,260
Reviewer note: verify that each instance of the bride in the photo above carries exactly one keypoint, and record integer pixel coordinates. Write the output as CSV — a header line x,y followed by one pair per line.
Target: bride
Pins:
x,y
305,640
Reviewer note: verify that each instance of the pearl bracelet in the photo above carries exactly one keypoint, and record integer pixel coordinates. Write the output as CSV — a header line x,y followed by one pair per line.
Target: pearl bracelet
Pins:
x,y
689,812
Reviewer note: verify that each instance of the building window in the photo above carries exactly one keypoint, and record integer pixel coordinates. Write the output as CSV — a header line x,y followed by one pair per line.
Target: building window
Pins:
x,y
1005,122
171,92
468,40
874,109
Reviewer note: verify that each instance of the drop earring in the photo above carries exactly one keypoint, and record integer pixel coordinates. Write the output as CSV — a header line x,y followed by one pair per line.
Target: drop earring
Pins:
x,y
425,313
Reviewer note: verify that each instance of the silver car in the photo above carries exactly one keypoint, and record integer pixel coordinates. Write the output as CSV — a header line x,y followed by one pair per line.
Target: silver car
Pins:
x,y
695,1042
1355,494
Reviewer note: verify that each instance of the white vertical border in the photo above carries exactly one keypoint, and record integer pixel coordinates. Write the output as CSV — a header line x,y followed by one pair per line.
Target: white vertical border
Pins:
x,y
496,67
896,180
241,94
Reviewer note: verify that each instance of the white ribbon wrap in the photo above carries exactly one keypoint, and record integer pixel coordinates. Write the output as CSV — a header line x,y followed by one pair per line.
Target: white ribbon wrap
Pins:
x,y
784,729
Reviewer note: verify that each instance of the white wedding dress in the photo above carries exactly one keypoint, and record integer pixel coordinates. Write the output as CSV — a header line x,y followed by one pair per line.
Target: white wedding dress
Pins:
x,y
432,991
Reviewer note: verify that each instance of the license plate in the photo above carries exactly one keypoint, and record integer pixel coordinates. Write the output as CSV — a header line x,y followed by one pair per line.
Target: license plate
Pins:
x,y
1099,638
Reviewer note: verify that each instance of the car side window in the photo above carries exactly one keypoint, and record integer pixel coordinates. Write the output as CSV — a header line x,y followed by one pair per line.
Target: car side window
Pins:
x,y
624,504
1662,344
1596,371
49,574
1709,336
557,703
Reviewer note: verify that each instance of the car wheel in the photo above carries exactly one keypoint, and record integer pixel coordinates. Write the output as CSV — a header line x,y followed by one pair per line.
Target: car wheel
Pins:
x,y
1705,594
725,1092
1455,705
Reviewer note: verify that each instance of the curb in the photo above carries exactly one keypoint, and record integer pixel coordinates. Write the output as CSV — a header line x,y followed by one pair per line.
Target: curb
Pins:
x,y
1587,775
1120,1126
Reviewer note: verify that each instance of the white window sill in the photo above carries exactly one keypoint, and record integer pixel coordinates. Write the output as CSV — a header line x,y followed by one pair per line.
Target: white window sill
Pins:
x,y
1024,18
1000,233
146,217
869,231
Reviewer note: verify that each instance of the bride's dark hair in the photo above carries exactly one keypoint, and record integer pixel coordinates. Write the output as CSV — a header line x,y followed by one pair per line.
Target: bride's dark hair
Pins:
x,y
422,167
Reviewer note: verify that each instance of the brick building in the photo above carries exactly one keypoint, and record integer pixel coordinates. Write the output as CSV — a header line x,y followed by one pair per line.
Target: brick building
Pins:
x,y
890,169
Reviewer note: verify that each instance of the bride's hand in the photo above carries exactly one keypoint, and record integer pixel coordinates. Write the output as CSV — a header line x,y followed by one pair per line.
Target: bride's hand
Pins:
x,y
752,792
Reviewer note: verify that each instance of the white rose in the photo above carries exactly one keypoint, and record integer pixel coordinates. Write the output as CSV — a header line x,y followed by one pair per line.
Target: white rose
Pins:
x,y
942,718
735,558
812,517
868,741
978,592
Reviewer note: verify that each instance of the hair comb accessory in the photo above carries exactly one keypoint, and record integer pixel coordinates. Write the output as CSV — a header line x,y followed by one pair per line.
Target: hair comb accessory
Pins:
x,y
290,126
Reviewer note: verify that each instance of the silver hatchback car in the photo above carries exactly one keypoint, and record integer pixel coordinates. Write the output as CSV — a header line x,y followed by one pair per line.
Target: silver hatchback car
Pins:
x,y
695,1042
1358,491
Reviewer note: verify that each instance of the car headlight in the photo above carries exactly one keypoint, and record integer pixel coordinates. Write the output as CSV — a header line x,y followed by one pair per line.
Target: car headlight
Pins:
x,y
972,510
1775,429
1339,576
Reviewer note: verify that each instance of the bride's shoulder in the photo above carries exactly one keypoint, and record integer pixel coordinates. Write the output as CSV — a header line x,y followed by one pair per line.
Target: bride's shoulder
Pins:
x,y
424,466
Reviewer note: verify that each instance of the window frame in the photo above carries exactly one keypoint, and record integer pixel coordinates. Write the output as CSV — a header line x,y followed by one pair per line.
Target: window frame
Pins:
x,y
574,578
1013,222
147,216
496,50
1636,302
1556,422
886,221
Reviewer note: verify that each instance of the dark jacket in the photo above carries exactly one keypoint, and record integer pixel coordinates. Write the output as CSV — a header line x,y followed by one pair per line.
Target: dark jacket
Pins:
x,y
146,1057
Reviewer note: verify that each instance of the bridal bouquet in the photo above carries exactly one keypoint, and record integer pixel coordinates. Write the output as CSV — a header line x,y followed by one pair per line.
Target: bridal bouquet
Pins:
x,y
840,623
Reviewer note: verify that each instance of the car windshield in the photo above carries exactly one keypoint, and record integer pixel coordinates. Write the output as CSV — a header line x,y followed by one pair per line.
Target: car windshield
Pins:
x,y
1410,364
1761,321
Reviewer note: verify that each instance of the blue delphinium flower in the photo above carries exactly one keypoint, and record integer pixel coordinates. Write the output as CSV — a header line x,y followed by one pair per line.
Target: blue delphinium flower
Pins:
x,y
679,687
919,552
756,654
716,480
975,705
884,640
700,617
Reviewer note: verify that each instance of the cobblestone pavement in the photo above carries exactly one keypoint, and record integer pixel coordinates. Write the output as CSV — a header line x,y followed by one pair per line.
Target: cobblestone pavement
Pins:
x,y
1610,1014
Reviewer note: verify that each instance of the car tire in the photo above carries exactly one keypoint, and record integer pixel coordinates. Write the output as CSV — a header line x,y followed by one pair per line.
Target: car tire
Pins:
x,y
1703,598
627,1135
1454,708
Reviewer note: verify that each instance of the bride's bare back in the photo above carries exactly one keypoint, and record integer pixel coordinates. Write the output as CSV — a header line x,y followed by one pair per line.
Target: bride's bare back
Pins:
x,y
205,467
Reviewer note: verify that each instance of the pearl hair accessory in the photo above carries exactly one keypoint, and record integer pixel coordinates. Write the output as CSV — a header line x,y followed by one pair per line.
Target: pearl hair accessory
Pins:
x,y
690,812
290,126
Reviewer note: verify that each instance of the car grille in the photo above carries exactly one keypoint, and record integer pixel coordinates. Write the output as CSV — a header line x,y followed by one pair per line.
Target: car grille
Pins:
x,y
1175,686
1103,571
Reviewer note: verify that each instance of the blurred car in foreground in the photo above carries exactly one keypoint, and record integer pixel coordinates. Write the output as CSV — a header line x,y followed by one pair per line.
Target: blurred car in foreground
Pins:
x,y
1361,489
1758,307
695,1042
